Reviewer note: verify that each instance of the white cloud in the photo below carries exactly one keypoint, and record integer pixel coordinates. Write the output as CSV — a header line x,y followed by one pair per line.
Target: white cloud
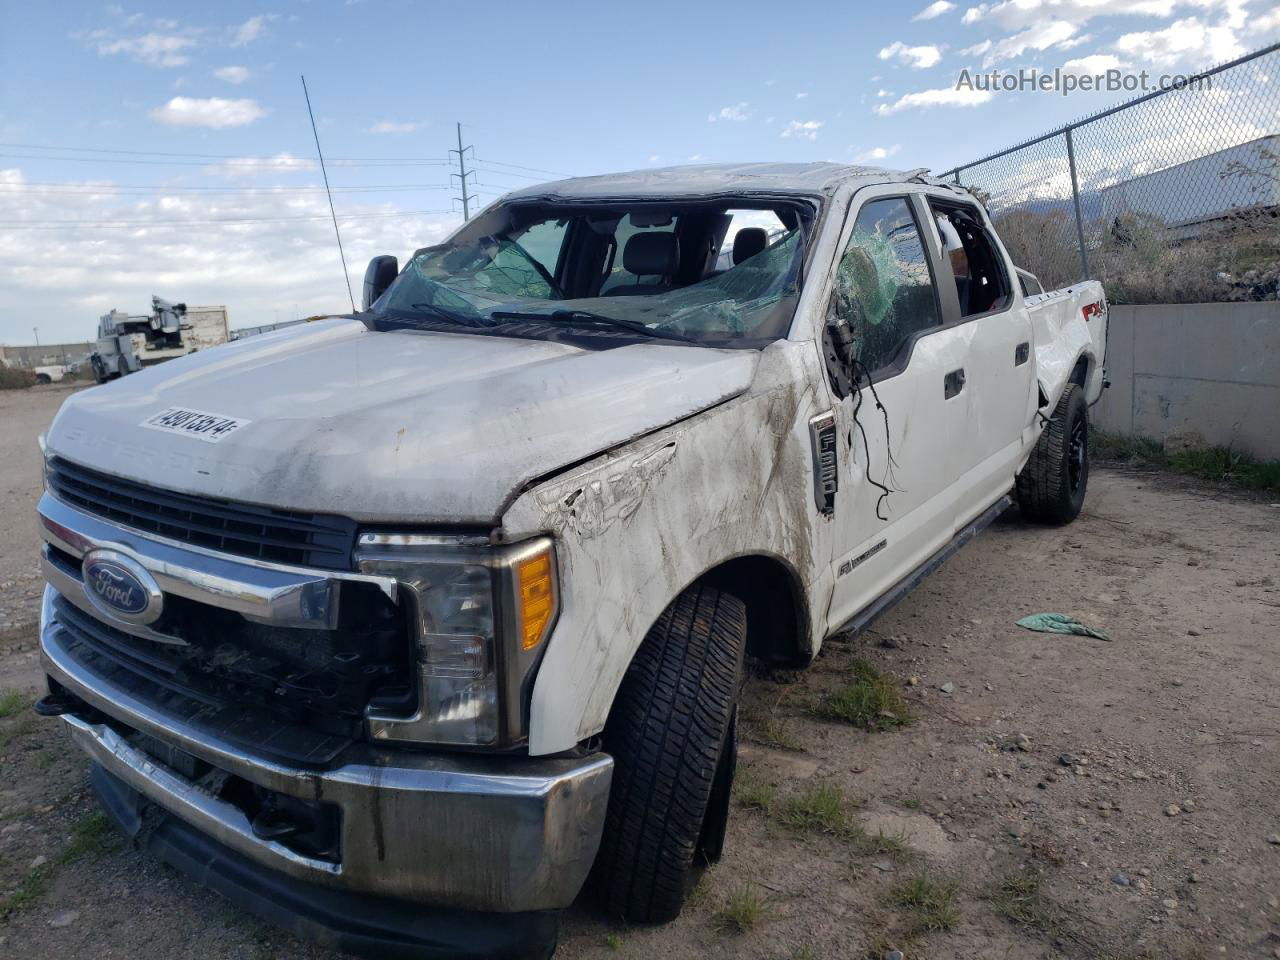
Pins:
x,y
1019,14
1040,37
232,74
1093,64
1267,23
654,158
153,49
735,113
391,126
250,30
942,97
977,50
803,129
876,154
262,271
214,112
802,95
695,157
258,166
884,93
936,9
918,58
1185,41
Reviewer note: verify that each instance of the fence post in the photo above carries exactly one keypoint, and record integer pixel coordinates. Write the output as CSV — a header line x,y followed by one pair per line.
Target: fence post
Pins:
x,y
1075,199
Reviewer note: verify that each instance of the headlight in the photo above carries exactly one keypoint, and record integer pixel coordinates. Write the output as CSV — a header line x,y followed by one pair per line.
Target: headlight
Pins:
x,y
481,615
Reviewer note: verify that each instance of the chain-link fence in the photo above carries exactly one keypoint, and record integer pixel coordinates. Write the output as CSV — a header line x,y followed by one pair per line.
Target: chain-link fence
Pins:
x,y
1172,197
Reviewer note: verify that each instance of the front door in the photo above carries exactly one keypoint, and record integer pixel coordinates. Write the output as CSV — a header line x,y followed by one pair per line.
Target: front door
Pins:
x,y
896,502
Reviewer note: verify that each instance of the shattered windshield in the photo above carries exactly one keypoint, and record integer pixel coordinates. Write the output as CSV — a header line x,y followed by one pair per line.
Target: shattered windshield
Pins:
x,y
724,273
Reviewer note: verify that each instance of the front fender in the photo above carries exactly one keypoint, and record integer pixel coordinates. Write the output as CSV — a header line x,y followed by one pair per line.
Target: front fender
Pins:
x,y
637,525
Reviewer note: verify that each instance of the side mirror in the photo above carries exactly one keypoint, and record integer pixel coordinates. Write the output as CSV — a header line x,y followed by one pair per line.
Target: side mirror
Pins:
x,y
837,347
377,277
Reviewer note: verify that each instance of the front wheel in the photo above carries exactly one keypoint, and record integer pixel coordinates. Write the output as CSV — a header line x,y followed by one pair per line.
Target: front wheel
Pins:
x,y
671,734
1052,485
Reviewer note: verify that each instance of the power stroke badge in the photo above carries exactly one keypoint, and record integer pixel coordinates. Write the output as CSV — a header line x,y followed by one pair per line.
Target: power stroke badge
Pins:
x,y
209,427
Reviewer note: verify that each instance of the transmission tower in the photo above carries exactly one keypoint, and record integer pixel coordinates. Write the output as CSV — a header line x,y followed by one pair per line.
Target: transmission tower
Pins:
x,y
462,175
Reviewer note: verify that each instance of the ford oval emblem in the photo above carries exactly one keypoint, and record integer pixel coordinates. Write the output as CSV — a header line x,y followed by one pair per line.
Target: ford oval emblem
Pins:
x,y
120,587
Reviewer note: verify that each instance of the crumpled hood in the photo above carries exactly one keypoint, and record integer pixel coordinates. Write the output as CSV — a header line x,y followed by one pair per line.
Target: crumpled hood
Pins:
x,y
396,427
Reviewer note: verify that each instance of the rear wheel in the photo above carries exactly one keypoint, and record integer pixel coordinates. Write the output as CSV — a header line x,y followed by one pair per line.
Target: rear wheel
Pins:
x,y
43,378
671,733
1052,485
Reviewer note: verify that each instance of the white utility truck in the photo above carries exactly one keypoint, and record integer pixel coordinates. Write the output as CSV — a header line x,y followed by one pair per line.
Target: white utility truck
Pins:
x,y
398,627
127,343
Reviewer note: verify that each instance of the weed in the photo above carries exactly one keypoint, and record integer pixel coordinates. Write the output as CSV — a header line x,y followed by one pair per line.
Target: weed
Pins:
x,y
93,835
24,724
11,702
819,809
31,889
614,942
1018,897
1221,464
1124,448
872,700
879,844
697,897
775,731
744,909
753,792
932,901
1228,466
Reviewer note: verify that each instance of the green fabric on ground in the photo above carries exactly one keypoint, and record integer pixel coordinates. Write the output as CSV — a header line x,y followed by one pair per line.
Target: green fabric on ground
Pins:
x,y
1059,623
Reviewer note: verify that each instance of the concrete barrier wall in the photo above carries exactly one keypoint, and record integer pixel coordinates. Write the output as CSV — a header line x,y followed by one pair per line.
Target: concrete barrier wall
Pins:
x,y
1211,369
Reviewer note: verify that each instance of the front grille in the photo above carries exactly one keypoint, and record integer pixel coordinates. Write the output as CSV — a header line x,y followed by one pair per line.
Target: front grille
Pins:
x,y
282,536
322,680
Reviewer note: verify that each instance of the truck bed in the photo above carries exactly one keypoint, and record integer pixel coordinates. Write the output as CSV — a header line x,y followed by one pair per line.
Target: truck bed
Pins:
x,y
1064,322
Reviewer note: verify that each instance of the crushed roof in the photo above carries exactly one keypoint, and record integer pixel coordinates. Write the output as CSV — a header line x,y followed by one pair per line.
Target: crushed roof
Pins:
x,y
711,178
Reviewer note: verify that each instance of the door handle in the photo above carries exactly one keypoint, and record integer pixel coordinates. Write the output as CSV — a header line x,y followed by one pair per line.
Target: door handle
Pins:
x,y
953,383
1021,353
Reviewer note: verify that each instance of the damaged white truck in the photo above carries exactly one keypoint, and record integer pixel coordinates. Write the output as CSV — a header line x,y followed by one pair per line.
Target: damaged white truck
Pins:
x,y
402,628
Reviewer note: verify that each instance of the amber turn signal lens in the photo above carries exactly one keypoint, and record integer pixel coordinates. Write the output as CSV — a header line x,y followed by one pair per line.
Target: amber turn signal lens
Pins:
x,y
537,598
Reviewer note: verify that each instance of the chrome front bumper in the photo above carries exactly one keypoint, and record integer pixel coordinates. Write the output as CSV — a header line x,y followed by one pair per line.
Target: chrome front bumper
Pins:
x,y
500,834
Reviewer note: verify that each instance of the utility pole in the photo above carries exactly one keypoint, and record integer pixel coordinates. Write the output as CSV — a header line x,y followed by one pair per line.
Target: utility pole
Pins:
x,y
36,331
462,175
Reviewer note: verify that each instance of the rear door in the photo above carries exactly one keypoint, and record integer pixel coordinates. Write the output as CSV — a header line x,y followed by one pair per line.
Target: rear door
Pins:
x,y
992,322
895,503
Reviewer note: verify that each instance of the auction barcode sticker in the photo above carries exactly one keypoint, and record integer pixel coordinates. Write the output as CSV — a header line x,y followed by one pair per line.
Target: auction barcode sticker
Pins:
x,y
209,427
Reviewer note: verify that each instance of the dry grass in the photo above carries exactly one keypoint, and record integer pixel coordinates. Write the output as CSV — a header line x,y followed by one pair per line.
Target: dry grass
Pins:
x,y
744,909
1019,899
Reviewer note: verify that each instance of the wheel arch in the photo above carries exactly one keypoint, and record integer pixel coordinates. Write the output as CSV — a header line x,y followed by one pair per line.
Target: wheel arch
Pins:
x,y
771,589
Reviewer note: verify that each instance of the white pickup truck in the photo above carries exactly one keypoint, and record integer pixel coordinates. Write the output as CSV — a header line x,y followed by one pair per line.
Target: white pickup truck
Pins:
x,y
398,627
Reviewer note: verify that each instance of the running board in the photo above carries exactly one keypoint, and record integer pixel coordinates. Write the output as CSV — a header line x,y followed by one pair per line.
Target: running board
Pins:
x,y
889,599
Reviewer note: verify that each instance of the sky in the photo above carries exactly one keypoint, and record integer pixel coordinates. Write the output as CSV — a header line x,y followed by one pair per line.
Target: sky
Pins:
x,y
164,148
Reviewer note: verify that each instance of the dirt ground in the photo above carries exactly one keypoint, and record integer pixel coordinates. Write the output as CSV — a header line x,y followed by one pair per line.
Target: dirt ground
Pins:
x,y
1050,796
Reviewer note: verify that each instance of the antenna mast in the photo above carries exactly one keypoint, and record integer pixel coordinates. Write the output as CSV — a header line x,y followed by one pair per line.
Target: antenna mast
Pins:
x,y
324,173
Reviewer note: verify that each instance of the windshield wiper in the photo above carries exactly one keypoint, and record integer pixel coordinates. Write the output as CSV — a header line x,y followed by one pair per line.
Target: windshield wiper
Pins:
x,y
588,318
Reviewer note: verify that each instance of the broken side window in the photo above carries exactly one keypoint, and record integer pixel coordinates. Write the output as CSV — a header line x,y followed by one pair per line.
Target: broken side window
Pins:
x,y
883,285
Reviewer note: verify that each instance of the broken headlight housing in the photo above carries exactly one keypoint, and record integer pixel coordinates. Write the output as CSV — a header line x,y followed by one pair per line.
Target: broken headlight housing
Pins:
x,y
481,615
